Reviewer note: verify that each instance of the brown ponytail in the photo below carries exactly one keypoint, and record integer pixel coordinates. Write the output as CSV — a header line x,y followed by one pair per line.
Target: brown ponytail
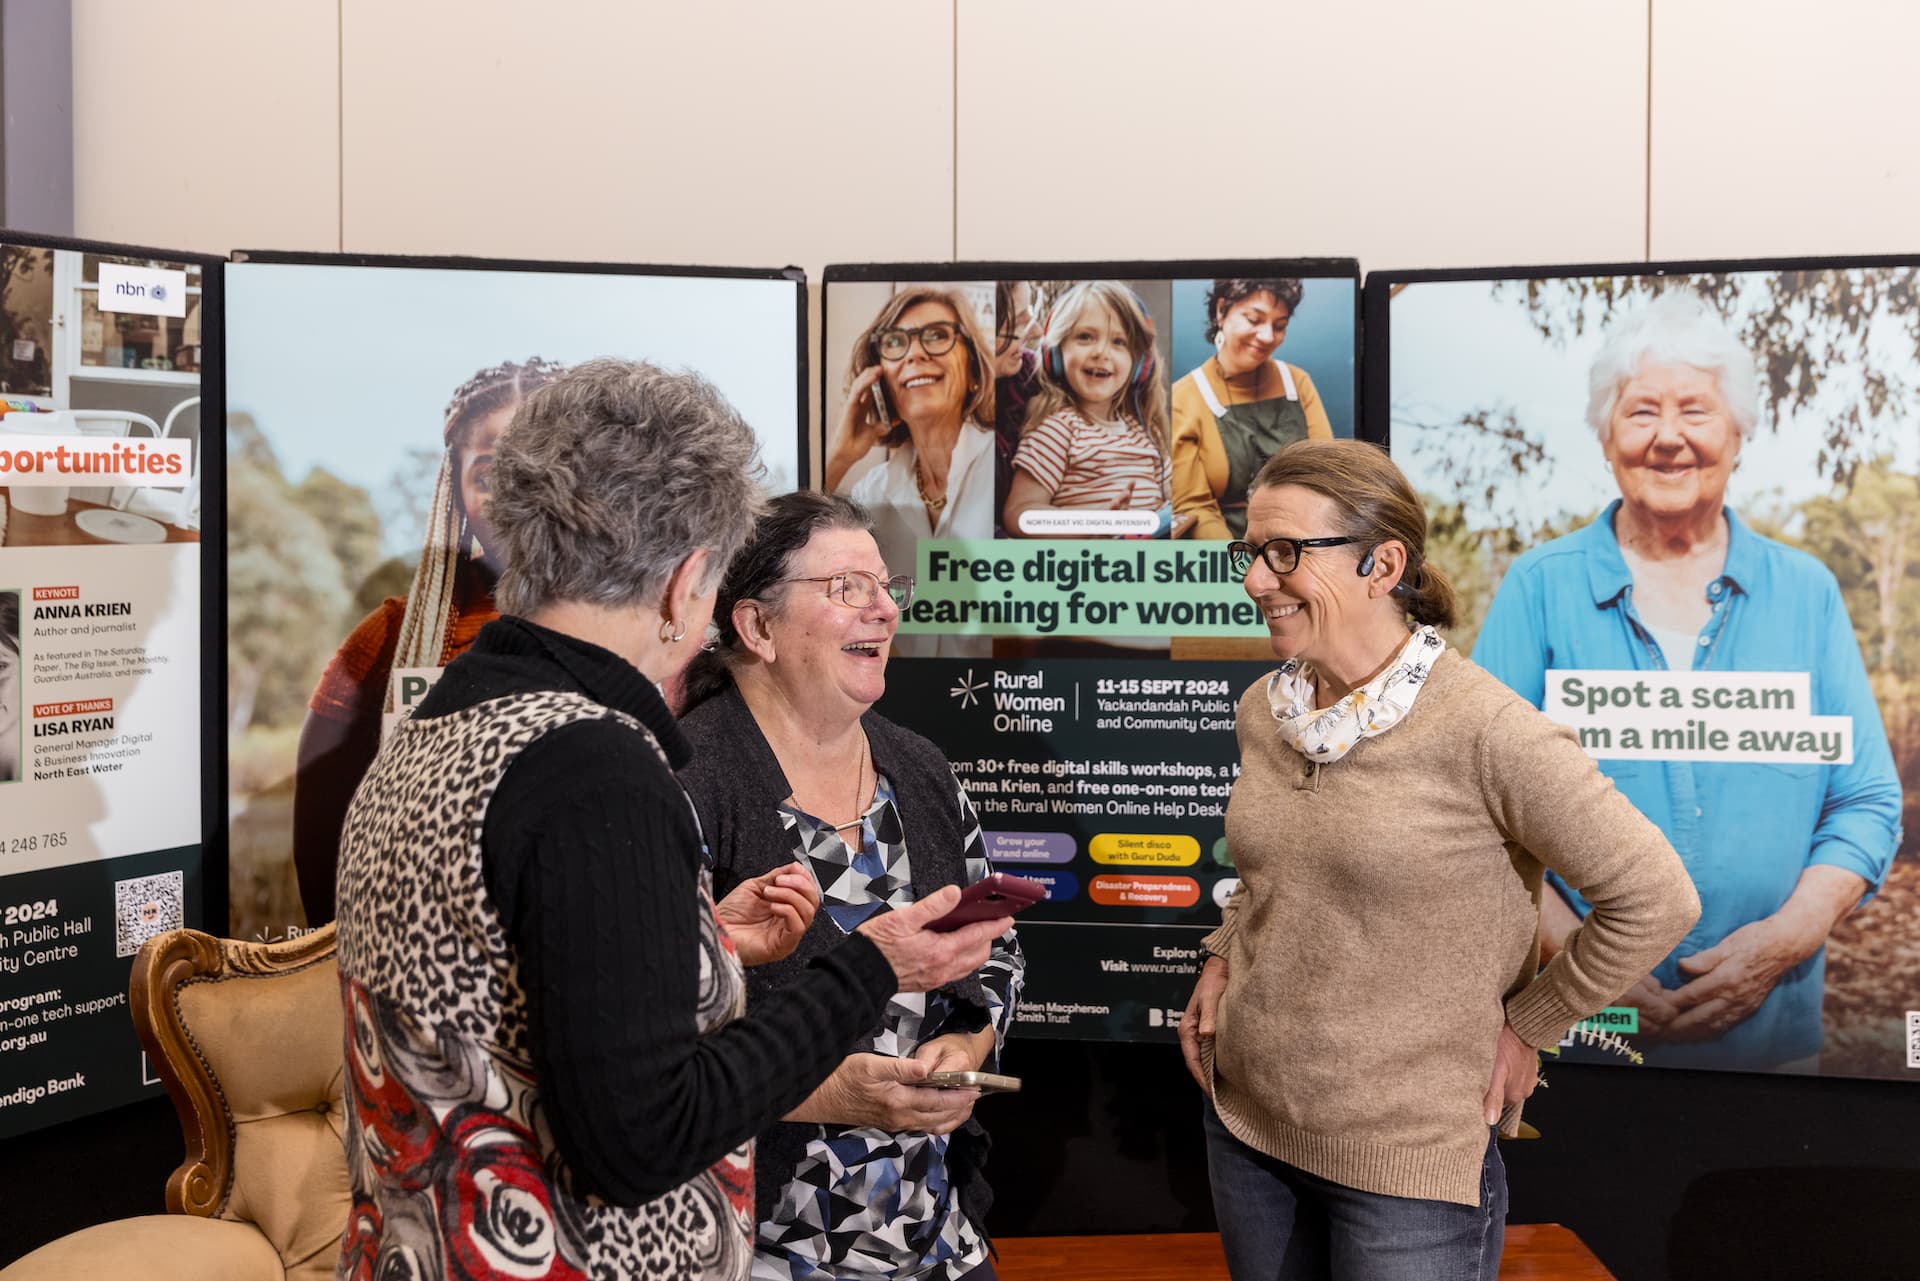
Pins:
x,y
1427,596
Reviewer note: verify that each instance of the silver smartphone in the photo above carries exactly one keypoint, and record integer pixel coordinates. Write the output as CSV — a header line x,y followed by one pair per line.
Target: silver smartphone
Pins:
x,y
985,1082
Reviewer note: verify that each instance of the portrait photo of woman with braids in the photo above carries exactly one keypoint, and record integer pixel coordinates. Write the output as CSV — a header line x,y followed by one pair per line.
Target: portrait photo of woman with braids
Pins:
x,y
450,601
362,554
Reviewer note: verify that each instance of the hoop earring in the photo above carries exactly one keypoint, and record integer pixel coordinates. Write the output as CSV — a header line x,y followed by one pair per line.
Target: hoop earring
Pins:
x,y
675,636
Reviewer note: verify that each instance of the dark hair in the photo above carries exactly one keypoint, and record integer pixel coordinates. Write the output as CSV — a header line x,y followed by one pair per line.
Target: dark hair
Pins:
x,y
1377,504
1225,293
507,383
786,526
10,621
1002,307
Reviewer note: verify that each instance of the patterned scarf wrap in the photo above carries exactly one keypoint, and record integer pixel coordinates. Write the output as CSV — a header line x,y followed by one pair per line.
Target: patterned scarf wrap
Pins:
x,y
1374,708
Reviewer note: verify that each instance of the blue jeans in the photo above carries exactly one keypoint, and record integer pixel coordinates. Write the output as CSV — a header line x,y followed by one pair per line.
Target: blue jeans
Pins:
x,y
1280,1223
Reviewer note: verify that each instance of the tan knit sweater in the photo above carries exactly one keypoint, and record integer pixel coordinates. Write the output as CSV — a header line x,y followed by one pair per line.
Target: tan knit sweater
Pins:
x,y
1385,927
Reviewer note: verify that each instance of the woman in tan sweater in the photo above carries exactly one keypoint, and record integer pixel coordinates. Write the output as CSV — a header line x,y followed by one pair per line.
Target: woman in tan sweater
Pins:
x,y
1369,1018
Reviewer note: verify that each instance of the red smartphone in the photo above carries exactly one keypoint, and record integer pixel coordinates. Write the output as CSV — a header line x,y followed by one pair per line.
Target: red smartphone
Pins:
x,y
999,894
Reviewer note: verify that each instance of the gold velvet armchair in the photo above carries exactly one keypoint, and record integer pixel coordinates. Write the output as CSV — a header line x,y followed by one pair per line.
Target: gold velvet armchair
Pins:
x,y
247,1038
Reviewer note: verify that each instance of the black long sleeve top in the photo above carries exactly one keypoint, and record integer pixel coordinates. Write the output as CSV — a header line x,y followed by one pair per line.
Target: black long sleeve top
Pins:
x,y
592,855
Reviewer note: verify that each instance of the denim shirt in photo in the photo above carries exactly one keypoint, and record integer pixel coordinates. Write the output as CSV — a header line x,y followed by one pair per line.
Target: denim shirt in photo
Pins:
x,y
1746,831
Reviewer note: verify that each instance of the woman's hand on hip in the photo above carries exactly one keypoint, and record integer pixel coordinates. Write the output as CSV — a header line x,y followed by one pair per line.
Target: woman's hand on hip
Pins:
x,y
879,1091
1516,1070
1199,1021
923,959
766,916
860,428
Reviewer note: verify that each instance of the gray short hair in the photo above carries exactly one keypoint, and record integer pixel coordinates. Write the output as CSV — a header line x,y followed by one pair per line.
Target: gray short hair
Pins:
x,y
611,475
1677,326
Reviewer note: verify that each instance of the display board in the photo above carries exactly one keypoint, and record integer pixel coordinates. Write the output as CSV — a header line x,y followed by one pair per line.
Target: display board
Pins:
x,y
109,363
1059,453
1682,508
365,398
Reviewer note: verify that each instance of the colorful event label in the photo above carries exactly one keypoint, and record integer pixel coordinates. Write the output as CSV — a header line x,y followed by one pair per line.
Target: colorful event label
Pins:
x,y
1144,851
1029,847
1060,886
1144,891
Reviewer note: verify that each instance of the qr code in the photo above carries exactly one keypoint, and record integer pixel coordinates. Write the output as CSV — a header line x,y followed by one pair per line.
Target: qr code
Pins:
x,y
144,907
1913,1038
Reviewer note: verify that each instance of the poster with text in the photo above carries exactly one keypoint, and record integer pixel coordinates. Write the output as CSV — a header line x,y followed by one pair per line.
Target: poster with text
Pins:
x,y
101,819
1059,454
365,400
1682,508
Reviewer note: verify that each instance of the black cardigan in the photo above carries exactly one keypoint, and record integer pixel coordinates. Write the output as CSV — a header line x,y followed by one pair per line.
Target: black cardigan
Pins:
x,y
591,856
737,786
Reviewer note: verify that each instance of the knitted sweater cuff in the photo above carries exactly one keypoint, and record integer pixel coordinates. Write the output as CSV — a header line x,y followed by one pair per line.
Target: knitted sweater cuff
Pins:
x,y
1220,941
1539,1014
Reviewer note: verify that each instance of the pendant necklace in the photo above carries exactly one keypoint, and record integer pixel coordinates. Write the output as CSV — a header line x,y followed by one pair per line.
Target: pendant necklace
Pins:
x,y
859,787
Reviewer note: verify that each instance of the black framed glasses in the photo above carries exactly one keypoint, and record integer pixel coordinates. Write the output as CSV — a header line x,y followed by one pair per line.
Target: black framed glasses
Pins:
x,y
859,588
1281,554
936,339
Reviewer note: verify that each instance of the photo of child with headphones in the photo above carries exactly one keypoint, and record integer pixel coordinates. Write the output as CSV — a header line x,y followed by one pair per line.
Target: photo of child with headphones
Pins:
x,y
1094,457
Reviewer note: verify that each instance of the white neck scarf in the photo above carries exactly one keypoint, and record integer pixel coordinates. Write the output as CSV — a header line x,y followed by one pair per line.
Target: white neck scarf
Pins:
x,y
1374,708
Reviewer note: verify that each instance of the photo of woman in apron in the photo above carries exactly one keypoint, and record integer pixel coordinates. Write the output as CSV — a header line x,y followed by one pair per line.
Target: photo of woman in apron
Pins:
x,y
1240,406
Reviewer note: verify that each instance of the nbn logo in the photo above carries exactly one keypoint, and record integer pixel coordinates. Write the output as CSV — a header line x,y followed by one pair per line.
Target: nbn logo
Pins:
x,y
127,289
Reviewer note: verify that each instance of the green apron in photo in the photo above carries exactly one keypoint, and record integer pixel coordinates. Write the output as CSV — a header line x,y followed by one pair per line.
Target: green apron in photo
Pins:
x,y
1251,434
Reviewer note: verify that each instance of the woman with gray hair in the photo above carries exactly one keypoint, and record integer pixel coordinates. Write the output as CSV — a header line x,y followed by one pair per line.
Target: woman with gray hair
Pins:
x,y
1670,579
550,1067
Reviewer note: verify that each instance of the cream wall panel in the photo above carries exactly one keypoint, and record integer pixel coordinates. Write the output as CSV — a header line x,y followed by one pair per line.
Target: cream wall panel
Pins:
x,y
207,124
1783,129
1408,133
724,132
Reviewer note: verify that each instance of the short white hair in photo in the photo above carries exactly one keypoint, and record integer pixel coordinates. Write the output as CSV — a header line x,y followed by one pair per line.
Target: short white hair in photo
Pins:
x,y
1679,328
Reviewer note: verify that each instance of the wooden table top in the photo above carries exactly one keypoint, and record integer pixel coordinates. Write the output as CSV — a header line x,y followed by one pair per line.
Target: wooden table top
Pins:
x,y
24,529
1535,1252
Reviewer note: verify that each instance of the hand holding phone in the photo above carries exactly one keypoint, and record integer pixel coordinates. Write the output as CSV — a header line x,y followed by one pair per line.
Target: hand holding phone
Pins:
x,y
999,894
985,1082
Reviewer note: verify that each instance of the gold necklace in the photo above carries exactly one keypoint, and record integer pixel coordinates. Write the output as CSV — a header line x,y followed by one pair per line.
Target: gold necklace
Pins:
x,y
859,787
933,504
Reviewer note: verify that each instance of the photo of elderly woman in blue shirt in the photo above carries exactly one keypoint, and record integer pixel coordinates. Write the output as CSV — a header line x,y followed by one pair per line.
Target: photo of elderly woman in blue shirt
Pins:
x,y
1669,578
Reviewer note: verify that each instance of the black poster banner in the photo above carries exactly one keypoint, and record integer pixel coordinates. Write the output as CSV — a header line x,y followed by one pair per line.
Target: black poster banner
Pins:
x,y
1059,453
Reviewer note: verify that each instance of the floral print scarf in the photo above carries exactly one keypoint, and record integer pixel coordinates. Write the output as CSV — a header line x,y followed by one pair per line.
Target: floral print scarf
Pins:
x,y
1374,708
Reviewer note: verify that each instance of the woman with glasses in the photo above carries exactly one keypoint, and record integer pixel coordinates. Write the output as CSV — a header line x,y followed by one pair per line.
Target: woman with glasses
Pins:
x,y
551,1066
920,386
1370,1011
874,1174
